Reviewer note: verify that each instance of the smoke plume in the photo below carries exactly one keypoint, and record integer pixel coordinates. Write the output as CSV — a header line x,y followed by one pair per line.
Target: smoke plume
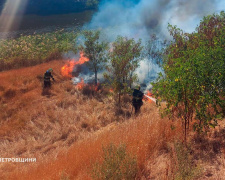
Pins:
x,y
141,18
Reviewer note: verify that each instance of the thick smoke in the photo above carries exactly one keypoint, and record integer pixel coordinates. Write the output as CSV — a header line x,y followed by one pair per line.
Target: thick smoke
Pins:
x,y
141,18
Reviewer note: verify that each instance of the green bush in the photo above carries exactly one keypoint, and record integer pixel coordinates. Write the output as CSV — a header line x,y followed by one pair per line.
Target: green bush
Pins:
x,y
117,164
193,80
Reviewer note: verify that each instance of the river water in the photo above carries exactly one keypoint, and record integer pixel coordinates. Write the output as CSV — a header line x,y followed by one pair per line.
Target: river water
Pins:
x,y
30,24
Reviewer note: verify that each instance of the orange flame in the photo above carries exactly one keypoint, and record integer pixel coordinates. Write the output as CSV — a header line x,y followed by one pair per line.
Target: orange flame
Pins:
x,y
149,93
147,99
67,69
97,87
80,85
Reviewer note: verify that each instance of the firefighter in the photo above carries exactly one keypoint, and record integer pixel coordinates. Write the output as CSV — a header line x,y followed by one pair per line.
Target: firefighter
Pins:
x,y
137,99
47,78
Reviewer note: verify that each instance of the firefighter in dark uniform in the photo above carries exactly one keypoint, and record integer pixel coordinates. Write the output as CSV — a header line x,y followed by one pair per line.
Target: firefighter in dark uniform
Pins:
x,y
137,99
47,78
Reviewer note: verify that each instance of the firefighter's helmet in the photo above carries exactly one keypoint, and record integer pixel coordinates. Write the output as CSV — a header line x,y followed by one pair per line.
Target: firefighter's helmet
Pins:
x,y
138,87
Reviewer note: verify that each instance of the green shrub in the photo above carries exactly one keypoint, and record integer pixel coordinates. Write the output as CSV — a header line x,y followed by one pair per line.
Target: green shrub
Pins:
x,y
193,80
117,164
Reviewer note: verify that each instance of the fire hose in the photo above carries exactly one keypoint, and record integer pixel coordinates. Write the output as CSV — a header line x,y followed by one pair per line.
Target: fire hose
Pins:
x,y
151,98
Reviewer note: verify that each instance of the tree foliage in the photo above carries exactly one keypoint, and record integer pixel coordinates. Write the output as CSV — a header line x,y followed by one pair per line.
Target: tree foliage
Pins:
x,y
124,58
193,81
95,51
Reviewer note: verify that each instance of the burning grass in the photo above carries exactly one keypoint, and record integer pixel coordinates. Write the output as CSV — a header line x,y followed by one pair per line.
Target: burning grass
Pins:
x,y
66,128
68,68
43,124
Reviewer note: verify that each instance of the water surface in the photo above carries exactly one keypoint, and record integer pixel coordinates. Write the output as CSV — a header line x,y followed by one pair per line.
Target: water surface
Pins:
x,y
29,24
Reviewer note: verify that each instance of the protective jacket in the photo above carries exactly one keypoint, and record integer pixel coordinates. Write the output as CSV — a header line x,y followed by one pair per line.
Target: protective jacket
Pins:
x,y
137,96
47,76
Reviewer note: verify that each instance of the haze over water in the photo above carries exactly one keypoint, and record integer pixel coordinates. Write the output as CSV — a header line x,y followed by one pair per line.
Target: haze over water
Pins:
x,y
42,24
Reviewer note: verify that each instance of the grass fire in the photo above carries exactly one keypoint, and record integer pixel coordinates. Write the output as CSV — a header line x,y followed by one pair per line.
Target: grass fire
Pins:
x,y
69,67
118,98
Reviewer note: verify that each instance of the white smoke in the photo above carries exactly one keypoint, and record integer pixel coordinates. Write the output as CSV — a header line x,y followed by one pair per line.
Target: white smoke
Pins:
x,y
139,19
87,78
142,18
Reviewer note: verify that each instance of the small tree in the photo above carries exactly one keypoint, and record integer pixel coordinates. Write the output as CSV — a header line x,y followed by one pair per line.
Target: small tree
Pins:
x,y
124,59
193,80
95,51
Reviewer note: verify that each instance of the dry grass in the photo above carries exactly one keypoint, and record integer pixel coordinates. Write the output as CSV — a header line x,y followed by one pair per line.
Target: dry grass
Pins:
x,y
65,129
37,123
143,135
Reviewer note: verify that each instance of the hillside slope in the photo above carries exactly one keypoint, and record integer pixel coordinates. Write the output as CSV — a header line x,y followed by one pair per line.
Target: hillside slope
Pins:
x,y
65,129
42,123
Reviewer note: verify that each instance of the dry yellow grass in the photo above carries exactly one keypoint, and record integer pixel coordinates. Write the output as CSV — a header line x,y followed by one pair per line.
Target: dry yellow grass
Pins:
x,y
65,129
143,135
